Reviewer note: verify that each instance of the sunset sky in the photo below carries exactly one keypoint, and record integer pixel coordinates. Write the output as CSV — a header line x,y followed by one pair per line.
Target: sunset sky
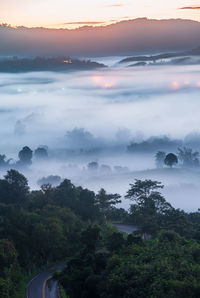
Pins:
x,y
60,13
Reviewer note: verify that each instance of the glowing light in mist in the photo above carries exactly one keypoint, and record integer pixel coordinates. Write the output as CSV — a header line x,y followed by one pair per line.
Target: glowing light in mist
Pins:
x,y
176,85
103,82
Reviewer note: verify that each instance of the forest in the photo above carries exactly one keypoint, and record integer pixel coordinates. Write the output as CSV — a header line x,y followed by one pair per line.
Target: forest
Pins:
x,y
100,149
20,65
75,225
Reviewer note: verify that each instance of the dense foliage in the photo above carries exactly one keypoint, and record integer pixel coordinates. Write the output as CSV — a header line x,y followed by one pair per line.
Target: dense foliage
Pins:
x,y
40,227
160,259
166,266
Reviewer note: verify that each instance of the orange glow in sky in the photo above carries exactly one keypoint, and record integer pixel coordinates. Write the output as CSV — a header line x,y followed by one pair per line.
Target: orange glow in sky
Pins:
x,y
76,13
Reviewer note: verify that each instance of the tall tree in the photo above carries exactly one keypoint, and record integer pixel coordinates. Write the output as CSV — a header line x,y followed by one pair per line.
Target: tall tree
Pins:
x,y
188,157
105,201
25,156
171,159
16,186
149,204
41,153
160,159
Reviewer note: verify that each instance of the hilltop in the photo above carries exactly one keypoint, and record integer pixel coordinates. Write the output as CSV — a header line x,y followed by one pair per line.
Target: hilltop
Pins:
x,y
138,36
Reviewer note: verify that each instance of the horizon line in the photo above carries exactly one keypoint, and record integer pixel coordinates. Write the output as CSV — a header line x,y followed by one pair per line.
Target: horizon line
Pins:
x,y
92,24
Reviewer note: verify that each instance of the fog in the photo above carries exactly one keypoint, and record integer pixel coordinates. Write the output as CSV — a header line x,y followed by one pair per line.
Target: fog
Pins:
x,y
93,116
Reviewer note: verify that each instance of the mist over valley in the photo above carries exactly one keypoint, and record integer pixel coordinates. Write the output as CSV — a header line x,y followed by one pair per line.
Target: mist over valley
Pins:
x,y
118,117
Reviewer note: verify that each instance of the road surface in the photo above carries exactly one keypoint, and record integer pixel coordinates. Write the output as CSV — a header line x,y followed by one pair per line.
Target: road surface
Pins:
x,y
51,289
126,228
42,286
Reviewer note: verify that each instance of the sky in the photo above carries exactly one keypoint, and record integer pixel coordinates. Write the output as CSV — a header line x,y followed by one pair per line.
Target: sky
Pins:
x,y
76,13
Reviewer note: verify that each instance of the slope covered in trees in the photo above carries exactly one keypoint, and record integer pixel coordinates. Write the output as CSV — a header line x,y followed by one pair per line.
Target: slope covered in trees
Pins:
x,y
40,227
161,259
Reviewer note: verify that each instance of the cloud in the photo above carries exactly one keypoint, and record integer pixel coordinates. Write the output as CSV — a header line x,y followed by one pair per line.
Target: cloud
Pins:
x,y
190,7
82,23
116,5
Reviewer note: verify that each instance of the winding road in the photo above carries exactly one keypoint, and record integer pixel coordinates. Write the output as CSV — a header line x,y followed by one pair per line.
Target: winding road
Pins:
x,y
43,286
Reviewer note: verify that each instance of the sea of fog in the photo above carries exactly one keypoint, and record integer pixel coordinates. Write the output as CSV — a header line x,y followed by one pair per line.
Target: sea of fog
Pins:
x,y
76,113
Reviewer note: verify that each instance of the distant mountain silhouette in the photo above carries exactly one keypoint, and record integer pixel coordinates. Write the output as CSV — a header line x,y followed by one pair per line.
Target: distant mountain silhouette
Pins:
x,y
142,59
139,36
64,64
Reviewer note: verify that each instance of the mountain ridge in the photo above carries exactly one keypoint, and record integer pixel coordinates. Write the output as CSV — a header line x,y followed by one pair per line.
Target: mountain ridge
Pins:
x,y
123,38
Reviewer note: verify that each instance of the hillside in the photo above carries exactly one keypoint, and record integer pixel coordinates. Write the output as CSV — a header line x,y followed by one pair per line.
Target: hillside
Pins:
x,y
123,38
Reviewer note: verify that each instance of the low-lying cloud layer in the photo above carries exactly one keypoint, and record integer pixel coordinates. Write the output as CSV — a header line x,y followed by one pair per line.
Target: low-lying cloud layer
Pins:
x,y
151,100
76,114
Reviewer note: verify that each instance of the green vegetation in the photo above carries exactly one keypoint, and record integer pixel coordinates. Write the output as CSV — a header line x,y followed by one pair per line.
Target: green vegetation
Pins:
x,y
62,293
41,227
165,266
161,259
37,228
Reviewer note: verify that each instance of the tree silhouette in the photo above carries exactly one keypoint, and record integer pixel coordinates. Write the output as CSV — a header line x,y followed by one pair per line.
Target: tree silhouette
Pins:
x,y
171,159
14,188
188,157
149,205
93,166
160,159
41,153
25,156
3,161
105,201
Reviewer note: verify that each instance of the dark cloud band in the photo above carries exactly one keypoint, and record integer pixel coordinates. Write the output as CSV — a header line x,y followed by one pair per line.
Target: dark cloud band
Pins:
x,y
190,7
